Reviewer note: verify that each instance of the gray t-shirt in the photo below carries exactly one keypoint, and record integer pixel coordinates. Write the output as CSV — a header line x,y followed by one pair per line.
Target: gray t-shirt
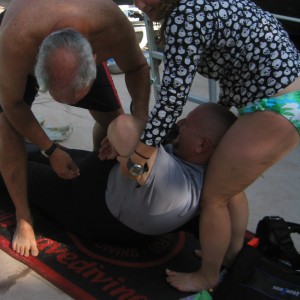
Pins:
x,y
169,198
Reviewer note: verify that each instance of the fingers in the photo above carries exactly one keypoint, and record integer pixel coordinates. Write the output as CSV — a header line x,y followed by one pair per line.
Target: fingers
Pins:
x,y
104,146
64,166
74,169
68,174
106,150
104,141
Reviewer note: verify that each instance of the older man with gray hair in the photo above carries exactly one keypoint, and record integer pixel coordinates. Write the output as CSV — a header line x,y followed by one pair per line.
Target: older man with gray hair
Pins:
x,y
70,41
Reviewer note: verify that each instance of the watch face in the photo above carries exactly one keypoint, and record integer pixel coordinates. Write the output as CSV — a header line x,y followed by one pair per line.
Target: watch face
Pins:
x,y
135,169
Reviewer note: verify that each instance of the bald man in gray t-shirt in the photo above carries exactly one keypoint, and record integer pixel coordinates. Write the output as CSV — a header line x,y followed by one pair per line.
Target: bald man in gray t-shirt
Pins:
x,y
103,204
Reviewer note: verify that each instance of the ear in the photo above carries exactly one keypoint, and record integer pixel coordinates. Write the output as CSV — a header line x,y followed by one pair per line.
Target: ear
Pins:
x,y
202,145
95,57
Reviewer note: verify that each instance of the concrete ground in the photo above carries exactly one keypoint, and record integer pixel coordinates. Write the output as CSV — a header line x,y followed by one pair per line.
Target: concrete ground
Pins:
x,y
276,192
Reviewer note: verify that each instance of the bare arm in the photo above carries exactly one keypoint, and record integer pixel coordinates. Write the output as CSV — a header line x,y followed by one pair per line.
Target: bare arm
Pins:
x,y
125,50
138,85
16,64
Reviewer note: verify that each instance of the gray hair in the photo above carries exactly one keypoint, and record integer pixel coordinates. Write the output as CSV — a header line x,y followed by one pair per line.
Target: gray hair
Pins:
x,y
75,43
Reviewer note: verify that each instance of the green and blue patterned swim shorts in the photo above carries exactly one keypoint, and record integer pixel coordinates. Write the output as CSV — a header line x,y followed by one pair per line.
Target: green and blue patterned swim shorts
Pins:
x,y
287,105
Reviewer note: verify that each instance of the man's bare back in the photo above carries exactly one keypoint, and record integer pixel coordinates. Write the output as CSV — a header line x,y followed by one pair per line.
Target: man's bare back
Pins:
x,y
37,19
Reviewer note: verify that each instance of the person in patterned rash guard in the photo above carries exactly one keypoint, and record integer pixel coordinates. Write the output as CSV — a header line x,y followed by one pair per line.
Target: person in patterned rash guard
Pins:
x,y
257,66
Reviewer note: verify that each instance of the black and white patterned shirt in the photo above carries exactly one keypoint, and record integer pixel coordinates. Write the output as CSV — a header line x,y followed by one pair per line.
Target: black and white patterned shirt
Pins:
x,y
232,41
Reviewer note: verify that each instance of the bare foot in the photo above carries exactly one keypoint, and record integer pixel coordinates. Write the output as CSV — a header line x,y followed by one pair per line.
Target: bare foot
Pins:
x,y
24,242
189,282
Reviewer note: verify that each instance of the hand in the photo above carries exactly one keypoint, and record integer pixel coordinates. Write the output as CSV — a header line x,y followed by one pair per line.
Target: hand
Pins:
x,y
107,151
63,164
24,242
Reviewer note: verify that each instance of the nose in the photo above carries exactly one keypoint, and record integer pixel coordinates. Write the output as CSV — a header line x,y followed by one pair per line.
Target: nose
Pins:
x,y
139,4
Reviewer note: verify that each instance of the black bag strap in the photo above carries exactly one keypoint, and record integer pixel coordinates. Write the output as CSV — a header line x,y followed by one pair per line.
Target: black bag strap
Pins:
x,y
275,241
293,227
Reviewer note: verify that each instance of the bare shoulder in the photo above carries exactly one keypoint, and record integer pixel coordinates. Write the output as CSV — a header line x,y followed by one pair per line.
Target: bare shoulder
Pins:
x,y
39,18
27,23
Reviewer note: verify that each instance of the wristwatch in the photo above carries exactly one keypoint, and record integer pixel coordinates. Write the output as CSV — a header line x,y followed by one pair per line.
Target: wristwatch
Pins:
x,y
135,169
48,152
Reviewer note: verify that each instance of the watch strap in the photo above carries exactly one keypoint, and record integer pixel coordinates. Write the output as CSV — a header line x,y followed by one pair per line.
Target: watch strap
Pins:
x,y
141,155
48,152
146,168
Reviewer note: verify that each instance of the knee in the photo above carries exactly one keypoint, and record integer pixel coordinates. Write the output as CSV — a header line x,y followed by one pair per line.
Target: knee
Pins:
x,y
214,201
123,134
123,125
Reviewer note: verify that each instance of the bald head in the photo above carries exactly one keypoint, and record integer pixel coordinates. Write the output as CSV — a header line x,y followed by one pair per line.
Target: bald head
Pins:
x,y
201,131
212,120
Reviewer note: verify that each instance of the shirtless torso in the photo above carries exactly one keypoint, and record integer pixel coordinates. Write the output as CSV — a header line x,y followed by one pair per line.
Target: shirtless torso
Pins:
x,y
24,26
